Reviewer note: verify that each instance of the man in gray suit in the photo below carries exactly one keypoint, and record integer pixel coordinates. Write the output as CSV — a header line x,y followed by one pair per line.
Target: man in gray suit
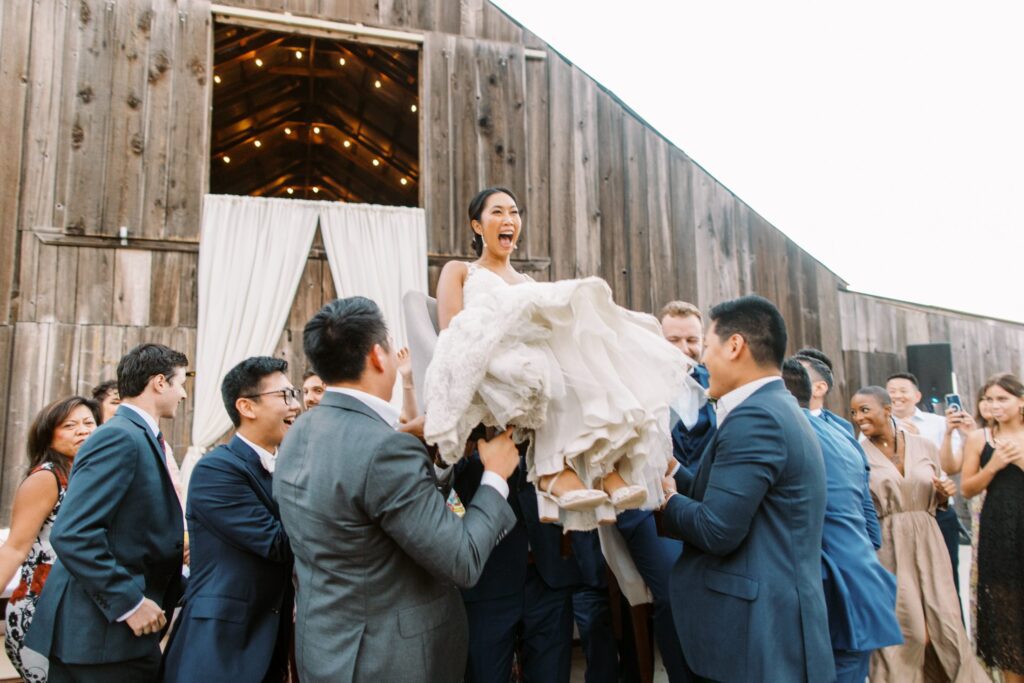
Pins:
x,y
378,554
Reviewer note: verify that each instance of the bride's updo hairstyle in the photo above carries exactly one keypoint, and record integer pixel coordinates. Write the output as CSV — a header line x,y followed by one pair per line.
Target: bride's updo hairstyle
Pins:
x,y
476,212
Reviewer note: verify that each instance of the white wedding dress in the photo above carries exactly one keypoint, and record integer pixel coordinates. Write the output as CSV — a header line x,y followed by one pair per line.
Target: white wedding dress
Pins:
x,y
586,381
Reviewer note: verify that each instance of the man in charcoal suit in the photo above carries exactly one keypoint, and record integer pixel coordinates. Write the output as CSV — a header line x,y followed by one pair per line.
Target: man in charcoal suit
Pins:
x,y
378,553
747,597
236,618
119,537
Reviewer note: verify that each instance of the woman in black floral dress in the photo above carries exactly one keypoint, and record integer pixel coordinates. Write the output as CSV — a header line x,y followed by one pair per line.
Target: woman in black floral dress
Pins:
x,y
54,438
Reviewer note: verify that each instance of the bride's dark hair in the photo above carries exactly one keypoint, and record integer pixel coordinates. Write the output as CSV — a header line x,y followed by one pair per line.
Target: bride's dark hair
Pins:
x,y
476,211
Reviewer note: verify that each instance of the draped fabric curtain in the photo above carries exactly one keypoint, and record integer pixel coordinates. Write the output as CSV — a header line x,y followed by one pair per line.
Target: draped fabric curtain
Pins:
x,y
252,252
379,252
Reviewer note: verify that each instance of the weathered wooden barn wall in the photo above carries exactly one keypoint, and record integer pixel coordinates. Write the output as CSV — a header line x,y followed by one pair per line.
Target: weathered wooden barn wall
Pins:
x,y
105,113
876,332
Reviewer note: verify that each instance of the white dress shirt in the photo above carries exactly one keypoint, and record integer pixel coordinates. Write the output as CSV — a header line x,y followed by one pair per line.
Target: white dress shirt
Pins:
x,y
267,459
732,400
390,414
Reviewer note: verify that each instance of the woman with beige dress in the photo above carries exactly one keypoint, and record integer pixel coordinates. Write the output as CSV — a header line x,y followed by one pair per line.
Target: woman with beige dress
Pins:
x,y
906,487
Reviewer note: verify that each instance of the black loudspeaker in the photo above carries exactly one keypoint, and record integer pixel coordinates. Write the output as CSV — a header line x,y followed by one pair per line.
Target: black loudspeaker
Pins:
x,y
932,364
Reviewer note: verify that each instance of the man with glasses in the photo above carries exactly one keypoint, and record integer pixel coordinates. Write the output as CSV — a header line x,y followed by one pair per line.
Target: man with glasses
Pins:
x,y
236,616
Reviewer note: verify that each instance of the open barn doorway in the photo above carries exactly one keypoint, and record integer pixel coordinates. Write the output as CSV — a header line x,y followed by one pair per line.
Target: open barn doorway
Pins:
x,y
306,117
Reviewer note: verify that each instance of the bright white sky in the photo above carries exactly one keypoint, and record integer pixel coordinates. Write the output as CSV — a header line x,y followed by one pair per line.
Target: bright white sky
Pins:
x,y
885,138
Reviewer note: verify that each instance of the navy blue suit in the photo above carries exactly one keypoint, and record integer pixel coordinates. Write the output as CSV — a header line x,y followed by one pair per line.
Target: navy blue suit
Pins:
x,y
119,538
836,421
746,594
236,617
689,444
514,591
860,593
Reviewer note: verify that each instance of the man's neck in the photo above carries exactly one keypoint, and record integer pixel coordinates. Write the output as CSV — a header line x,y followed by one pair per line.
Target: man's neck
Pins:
x,y
144,404
252,435
752,376
816,404
906,415
365,387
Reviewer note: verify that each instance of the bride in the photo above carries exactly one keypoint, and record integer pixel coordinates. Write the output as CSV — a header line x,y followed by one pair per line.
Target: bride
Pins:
x,y
586,382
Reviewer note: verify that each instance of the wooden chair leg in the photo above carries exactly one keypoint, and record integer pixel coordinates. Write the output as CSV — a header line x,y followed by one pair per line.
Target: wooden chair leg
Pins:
x,y
641,617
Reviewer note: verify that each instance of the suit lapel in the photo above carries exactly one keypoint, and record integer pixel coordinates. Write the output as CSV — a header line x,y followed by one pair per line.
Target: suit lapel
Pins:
x,y
251,460
154,445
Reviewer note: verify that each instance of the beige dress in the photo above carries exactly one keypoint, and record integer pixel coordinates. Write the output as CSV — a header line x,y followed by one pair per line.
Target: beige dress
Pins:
x,y
913,550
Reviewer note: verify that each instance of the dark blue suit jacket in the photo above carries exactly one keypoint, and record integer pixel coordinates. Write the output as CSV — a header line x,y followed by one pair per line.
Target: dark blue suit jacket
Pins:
x,y
689,444
237,611
119,537
836,421
746,593
506,569
859,592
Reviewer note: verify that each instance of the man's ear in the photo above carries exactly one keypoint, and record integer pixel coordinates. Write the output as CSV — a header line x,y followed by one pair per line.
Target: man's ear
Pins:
x,y
244,408
735,345
376,358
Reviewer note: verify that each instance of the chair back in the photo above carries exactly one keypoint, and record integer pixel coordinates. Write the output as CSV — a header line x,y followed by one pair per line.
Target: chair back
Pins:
x,y
420,313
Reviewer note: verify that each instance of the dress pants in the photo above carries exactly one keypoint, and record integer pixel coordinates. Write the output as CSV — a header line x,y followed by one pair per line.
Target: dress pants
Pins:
x,y
950,528
654,557
546,618
593,616
141,670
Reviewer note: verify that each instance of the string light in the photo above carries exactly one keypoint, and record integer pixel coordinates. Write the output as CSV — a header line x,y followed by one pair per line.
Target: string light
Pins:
x,y
376,162
227,159
257,144
341,60
290,191
216,79
259,62
404,181
316,190
316,130
287,131
298,54
376,84
413,108
347,144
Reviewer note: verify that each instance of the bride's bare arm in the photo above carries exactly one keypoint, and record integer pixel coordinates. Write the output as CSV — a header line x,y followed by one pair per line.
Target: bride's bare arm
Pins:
x,y
449,291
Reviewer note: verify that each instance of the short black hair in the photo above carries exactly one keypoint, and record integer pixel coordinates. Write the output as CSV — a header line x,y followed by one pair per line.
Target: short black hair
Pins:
x,y
145,361
244,380
307,374
759,322
476,211
341,334
878,392
904,375
104,389
798,382
820,369
816,354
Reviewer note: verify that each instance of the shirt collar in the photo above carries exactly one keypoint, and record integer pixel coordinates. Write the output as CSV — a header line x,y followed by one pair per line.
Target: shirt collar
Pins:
x,y
150,421
730,401
267,459
387,412
816,412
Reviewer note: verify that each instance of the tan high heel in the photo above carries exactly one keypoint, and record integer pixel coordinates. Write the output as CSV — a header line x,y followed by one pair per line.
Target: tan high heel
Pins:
x,y
548,503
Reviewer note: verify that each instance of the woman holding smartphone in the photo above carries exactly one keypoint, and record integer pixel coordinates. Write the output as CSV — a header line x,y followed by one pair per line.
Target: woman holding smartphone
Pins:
x,y
996,467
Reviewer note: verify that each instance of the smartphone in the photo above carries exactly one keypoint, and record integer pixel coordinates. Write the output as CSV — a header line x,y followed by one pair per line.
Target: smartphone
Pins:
x,y
953,401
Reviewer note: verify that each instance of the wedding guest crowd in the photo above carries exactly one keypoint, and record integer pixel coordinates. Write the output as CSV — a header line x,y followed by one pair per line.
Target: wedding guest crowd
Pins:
x,y
323,540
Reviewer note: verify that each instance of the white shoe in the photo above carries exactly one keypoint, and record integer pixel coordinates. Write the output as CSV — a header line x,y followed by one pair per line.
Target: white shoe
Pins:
x,y
548,503
629,497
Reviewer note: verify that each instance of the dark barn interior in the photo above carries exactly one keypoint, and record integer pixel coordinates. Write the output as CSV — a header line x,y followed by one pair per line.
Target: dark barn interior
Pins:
x,y
313,118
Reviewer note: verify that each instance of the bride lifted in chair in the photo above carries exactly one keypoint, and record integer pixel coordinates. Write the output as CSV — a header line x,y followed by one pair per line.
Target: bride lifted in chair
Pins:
x,y
586,382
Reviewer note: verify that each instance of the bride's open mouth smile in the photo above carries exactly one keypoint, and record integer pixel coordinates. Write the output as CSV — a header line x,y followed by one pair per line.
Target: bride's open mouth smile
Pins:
x,y
505,238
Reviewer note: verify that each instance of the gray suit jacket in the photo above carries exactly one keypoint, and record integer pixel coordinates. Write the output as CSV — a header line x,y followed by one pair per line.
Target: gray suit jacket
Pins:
x,y
378,555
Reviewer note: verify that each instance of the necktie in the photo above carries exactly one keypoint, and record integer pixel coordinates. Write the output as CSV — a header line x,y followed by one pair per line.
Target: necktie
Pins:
x,y
163,444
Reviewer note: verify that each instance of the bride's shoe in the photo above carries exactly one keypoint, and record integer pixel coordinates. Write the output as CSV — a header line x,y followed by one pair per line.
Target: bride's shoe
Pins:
x,y
625,496
548,503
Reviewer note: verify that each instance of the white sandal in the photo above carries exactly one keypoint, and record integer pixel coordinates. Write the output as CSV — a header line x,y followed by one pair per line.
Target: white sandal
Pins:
x,y
548,503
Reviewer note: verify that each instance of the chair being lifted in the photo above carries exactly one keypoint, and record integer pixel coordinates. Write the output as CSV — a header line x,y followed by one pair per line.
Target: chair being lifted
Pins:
x,y
422,328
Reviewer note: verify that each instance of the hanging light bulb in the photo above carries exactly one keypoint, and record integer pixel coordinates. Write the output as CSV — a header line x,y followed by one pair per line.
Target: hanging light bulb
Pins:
x,y
227,159
257,144
290,191
347,144
259,62
376,162
316,190
216,79
341,60
316,130
376,83
413,109
287,131
404,181
298,54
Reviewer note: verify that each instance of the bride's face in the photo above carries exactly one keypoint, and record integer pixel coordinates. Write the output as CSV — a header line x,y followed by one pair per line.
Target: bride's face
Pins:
x,y
499,224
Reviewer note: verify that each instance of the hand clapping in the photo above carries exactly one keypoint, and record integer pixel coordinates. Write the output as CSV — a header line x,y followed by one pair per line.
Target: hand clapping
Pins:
x,y
945,487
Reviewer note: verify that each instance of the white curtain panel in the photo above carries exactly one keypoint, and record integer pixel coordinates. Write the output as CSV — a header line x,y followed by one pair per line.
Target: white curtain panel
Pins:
x,y
252,252
379,252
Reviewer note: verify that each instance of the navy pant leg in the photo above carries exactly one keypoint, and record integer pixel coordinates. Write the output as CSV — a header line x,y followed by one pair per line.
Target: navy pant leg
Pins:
x,y
492,628
654,557
547,632
594,621
852,665
950,529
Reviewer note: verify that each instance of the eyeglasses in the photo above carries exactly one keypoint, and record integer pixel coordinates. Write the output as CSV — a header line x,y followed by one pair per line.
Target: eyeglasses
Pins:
x,y
289,395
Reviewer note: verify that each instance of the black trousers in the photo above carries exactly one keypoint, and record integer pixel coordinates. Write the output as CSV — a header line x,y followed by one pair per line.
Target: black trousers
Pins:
x,y
142,670
950,528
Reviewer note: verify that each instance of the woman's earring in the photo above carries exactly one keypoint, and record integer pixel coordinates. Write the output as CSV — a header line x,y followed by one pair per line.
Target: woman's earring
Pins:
x,y
515,247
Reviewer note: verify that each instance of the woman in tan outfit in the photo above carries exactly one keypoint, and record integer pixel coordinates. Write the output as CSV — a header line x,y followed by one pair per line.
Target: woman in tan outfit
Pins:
x,y
906,487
